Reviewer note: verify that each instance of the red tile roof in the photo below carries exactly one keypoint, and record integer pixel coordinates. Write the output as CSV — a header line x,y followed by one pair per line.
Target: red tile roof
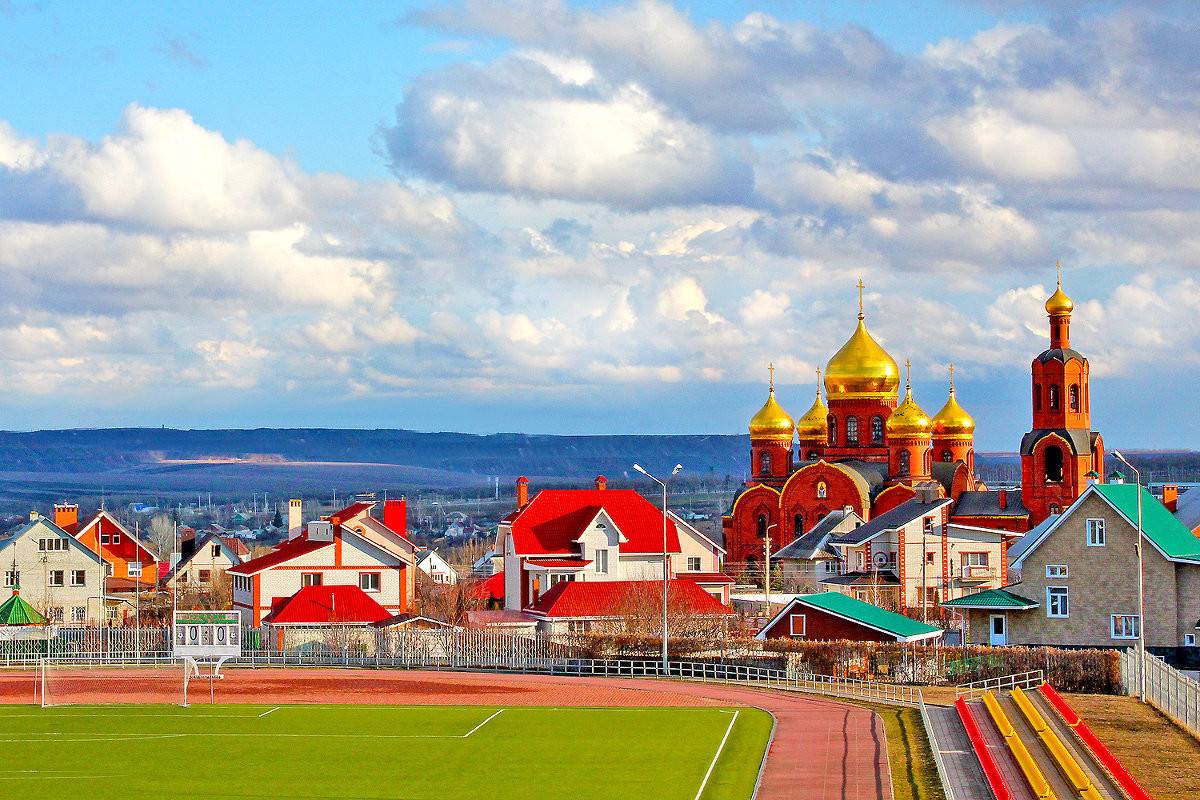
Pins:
x,y
558,562
554,518
490,589
607,598
321,605
293,548
705,577
350,511
236,545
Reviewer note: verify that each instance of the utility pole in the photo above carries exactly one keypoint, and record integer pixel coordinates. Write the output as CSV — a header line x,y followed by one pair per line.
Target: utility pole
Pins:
x,y
767,566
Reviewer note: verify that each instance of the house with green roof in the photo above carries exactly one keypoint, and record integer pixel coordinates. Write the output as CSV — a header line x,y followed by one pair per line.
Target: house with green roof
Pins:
x,y
1074,580
15,611
833,615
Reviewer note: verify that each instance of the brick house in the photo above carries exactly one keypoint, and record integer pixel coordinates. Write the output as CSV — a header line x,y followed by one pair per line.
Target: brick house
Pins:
x,y
832,615
1075,580
57,574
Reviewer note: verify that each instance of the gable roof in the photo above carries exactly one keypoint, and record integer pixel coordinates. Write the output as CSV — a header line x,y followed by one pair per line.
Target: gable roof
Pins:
x,y
490,589
605,598
685,525
987,504
102,516
49,527
889,623
551,522
814,544
902,514
1187,510
293,548
992,598
1021,546
351,511
322,605
234,557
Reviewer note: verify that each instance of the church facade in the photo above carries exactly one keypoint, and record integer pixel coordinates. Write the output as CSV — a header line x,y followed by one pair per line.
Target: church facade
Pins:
x,y
863,447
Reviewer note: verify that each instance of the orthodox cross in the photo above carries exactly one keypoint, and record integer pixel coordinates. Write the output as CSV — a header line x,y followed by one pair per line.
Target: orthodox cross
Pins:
x,y
860,286
771,370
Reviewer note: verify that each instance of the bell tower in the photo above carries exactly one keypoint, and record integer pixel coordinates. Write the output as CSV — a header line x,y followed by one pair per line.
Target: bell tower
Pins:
x,y
1061,448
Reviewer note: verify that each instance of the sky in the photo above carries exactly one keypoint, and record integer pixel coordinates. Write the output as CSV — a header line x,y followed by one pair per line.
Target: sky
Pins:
x,y
590,217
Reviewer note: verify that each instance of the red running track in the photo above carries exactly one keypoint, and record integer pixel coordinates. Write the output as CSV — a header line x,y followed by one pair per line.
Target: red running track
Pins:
x,y
821,750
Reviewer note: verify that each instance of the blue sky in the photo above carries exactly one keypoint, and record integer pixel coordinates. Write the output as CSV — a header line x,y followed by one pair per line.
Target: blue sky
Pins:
x,y
592,217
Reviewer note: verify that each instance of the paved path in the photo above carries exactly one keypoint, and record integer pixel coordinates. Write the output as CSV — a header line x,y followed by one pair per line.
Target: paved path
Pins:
x,y
962,765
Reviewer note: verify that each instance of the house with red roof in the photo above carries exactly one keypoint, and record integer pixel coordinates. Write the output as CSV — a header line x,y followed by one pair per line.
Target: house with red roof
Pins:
x,y
131,564
350,548
598,535
581,606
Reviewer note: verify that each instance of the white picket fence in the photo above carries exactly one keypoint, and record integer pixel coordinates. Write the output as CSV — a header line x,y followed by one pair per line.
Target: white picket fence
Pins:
x,y
1167,689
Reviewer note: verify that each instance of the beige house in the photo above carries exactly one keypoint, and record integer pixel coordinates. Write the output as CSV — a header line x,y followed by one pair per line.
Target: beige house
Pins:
x,y
1075,579
57,574
811,558
209,561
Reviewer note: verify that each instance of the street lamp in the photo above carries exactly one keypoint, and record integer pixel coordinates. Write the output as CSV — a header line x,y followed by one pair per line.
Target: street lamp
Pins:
x,y
767,566
663,484
1141,583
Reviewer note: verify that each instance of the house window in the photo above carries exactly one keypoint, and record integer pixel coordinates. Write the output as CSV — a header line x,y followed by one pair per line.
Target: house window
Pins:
x,y
1057,571
928,596
310,579
78,613
52,545
852,430
904,462
108,569
860,560
762,526
891,560
1124,626
368,581
974,560
1058,602
876,430
12,578
56,577
928,523
830,567
601,560
215,552
578,625
1189,640
56,614
797,624
78,577
104,538
206,576
116,538
1073,397
929,557
693,563
559,577
1095,533
135,569
822,490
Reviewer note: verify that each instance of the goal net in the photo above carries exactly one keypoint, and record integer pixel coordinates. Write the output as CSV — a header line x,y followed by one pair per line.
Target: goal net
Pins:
x,y
162,681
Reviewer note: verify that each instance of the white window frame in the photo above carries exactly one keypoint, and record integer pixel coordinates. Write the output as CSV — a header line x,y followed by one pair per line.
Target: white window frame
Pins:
x,y
116,538
81,574
1112,626
1189,640
11,578
215,552
104,538
1066,601
134,569
579,625
307,579
792,624
693,563
372,586
1058,571
62,578
601,559
78,613
1096,536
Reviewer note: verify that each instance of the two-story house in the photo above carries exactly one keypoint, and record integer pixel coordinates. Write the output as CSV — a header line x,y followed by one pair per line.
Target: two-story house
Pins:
x,y
132,566
811,558
58,576
1075,579
349,548
207,562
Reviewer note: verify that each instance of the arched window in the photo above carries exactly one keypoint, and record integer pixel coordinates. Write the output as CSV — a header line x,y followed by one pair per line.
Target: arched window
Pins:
x,y
1054,397
1037,397
947,456
799,523
764,461
1053,459
928,462
1073,397
876,429
903,462
852,430
762,526
832,429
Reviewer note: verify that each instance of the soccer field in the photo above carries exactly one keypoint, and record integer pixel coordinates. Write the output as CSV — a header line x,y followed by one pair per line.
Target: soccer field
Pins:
x,y
378,752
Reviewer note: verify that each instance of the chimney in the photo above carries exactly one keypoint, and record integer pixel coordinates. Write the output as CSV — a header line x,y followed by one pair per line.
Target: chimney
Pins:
x,y
1003,493
601,483
522,492
395,516
34,516
320,531
66,516
295,517
1171,496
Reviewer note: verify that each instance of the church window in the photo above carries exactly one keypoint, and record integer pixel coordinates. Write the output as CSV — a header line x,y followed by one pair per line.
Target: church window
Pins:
x,y
1073,397
799,520
904,458
762,526
832,429
928,461
1054,397
1037,397
947,456
765,464
1053,458
852,430
822,490
876,429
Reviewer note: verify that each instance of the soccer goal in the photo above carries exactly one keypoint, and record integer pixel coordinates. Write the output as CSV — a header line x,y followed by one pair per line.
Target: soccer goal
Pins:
x,y
67,682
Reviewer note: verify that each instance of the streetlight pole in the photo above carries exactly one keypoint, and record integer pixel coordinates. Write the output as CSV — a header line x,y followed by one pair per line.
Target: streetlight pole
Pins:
x,y
1141,583
767,566
666,573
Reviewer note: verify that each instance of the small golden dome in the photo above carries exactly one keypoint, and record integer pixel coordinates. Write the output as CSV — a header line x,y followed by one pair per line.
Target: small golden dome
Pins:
x,y
771,421
814,424
953,419
908,419
1059,303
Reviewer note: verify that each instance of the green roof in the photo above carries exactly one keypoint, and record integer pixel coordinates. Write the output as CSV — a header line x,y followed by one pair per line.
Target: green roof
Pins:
x,y
843,605
1159,525
15,611
991,598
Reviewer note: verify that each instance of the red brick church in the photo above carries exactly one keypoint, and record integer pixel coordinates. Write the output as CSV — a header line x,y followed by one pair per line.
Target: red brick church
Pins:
x,y
869,449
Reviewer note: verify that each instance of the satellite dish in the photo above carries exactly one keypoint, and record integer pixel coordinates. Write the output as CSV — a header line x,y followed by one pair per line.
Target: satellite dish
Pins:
x,y
881,559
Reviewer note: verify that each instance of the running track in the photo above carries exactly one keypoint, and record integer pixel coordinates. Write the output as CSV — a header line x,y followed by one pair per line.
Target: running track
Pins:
x,y
822,750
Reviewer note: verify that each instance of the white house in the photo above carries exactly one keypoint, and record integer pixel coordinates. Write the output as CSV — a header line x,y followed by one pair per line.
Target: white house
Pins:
x,y
436,567
59,576
211,558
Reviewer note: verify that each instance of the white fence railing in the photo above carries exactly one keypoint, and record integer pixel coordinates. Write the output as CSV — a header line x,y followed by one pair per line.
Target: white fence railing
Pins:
x,y
1167,689
1022,680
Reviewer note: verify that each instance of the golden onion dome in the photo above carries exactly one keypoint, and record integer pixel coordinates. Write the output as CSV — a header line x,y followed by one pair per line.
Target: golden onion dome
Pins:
x,y
908,419
861,368
814,424
1059,303
953,419
771,421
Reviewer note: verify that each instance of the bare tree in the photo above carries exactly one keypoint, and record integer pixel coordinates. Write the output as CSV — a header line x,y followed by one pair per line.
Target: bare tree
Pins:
x,y
162,535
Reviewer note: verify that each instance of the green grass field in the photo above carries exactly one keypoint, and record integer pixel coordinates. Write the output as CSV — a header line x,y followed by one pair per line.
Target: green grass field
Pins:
x,y
378,752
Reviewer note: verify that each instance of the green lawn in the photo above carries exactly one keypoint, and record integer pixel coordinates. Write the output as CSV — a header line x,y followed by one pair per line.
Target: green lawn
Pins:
x,y
377,752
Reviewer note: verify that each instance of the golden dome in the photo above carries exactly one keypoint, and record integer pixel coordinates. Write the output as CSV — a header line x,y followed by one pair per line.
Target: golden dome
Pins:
x,y
861,368
771,421
908,419
1059,303
953,419
814,424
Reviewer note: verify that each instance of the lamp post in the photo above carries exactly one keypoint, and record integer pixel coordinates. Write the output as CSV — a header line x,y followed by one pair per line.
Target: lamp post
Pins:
x,y
663,484
767,566
1141,583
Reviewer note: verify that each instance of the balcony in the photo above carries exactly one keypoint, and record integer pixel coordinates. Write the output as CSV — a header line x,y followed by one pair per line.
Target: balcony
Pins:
x,y
978,573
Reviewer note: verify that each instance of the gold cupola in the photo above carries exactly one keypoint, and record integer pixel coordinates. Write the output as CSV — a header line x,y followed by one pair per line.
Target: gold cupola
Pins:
x,y
953,419
861,368
908,419
814,424
771,421
1059,303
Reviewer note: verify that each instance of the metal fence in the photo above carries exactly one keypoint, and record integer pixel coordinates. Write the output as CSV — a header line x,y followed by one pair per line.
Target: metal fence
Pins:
x,y
1020,680
1167,689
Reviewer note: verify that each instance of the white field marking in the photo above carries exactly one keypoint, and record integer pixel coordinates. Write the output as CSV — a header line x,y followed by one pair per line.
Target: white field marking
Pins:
x,y
268,711
131,716
485,722
720,747
50,777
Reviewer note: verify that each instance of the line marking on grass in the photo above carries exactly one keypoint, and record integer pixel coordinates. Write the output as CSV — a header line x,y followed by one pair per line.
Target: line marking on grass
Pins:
x,y
485,722
268,711
720,747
